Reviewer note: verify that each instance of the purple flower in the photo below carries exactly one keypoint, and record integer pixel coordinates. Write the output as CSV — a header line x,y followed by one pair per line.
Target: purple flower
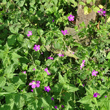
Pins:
x,y
36,47
71,18
47,88
50,58
56,107
42,53
52,98
82,64
34,69
101,12
105,96
24,72
53,21
47,71
64,32
34,84
60,55
73,52
62,106
95,94
31,90
29,33
94,73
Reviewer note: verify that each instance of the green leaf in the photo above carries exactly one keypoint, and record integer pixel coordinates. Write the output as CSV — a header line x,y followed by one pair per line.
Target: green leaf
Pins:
x,y
44,102
70,88
15,28
17,81
58,44
31,68
96,9
5,107
82,3
53,69
43,41
89,1
55,2
20,3
108,56
23,77
19,100
61,79
15,57
9,71
2,81
85,100
10,88
24,66
11,39
32,2
74,2
109,63
49,62
57,88
40,31
86,10
37,62
20,37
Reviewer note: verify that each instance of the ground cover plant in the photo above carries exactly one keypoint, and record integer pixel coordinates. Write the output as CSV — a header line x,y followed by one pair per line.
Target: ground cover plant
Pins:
x,y
32,78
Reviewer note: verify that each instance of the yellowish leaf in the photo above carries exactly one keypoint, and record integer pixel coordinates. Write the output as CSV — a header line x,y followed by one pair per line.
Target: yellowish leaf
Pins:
x,y
108,20
101,6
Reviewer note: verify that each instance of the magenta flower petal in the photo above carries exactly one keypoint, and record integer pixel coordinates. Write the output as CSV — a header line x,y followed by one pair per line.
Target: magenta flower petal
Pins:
x,y
47,88
46,69
94,73
52,98
34,84
34,69
71,18
29,33
64,32
37,85
36,47
50,58
56,107
101,12
95,94
62,106
82,64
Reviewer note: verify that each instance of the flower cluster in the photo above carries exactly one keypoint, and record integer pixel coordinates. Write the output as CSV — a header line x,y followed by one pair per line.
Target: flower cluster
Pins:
x,y
82,64
71,18
101,12
36,47
29,33
47,71
64,32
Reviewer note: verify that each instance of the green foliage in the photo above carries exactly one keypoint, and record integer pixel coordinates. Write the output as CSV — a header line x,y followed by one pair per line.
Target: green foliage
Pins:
x,y
18,59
